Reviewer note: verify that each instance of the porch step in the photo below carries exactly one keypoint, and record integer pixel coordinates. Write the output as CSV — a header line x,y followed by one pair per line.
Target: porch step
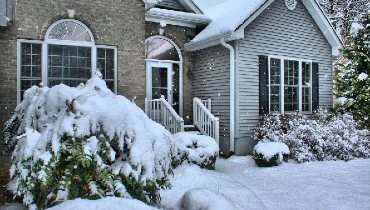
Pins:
x,y
191,129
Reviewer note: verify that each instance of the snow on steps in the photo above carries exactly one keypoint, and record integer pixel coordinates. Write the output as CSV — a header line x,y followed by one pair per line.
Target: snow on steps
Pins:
x,y
191,129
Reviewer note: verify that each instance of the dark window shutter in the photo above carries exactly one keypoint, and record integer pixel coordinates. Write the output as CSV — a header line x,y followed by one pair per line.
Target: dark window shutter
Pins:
x,y
264,94
315,86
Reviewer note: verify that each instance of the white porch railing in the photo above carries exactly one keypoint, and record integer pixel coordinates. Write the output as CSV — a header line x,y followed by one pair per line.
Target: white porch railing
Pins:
x,y
204,120
161,112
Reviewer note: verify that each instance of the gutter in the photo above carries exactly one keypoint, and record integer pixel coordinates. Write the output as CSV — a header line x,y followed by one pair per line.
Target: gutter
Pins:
x,y
232,92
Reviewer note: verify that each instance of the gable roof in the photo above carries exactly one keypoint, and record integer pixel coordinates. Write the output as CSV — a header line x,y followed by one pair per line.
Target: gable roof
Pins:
x,y
230,17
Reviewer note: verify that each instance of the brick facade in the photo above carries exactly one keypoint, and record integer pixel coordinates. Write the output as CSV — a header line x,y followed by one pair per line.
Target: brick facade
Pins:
x,y
179,36
112,23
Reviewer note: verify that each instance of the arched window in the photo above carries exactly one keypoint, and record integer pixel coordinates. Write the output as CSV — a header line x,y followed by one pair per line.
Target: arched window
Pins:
x,y
68,55
164,71
160,49
71,30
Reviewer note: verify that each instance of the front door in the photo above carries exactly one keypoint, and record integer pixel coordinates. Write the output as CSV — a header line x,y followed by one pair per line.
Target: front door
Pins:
x,y
159,80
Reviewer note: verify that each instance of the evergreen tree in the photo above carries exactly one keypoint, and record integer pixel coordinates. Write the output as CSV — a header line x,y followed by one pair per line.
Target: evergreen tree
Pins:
x,y
352,74
342,14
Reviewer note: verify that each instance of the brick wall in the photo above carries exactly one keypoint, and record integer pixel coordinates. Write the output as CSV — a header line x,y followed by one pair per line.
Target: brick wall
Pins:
x,y
112,22
179,36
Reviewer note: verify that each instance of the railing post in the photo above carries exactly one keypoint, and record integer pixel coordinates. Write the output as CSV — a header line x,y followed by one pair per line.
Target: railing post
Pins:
x,y
209,104
217,132
182,126
162,110
194,111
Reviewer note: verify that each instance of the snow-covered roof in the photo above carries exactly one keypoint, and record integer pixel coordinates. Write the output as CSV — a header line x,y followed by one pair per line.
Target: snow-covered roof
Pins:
x,y
226,15
230,17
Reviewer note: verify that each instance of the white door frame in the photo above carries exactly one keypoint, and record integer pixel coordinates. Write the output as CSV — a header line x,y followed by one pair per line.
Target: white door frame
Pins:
x,y
149,66
172,62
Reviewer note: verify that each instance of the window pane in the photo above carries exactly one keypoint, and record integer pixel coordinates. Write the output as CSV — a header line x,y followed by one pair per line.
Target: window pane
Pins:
x,y
306,74
70,30
159,77
306,99
291,72
274,98
274,71
158,92
105,63
27,83
30,69
69,65
160,49
290,98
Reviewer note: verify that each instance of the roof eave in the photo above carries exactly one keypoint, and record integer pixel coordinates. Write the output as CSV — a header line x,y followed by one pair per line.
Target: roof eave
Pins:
x,y
194,46
189,5
176,18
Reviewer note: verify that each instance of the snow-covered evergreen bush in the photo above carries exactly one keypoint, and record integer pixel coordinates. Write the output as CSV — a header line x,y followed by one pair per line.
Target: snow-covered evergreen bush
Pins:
x,y
197,149
86,142
322,137
270,153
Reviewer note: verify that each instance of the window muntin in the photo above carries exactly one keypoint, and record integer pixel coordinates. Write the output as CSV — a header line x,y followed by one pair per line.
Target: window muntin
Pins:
x,y
289,85
68,55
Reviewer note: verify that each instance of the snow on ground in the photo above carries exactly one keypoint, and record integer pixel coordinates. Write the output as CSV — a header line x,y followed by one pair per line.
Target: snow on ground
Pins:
x,y
239,183
312,185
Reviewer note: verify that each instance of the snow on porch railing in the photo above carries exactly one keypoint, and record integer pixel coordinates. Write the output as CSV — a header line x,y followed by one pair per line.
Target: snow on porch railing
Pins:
x,y
204,120
160,111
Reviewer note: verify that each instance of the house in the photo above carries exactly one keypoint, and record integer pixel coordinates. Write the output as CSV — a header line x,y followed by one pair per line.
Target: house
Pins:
x,y
252,57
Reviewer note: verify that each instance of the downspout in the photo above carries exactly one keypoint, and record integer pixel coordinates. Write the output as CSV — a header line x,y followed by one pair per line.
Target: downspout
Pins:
x,y
232,92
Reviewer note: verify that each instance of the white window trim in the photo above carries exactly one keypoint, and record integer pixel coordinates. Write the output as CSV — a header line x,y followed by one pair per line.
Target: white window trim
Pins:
x,y
44,56
281,93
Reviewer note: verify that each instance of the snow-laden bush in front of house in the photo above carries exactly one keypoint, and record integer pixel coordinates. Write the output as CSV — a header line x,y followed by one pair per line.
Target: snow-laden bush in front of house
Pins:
x,y
197,149
322,137
270,153
86,142
203,198
109,203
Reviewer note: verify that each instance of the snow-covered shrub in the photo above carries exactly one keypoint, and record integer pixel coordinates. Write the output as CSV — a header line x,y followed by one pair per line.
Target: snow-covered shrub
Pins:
x,y
197,149
111,203
322,137
203,198
85,142
270,153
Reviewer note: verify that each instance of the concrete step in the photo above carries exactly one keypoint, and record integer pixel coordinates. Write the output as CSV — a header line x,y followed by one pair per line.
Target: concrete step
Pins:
x,y
191,129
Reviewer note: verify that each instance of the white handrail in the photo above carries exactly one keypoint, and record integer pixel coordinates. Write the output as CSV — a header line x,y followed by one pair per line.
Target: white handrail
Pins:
x,y
204,120
161,112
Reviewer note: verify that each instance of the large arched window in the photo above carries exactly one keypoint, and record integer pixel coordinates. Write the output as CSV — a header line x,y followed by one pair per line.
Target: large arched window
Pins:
x,y
164,71
68,55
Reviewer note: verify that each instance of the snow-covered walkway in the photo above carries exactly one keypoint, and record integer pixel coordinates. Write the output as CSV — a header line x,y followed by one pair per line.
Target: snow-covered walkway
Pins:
x,y
313,185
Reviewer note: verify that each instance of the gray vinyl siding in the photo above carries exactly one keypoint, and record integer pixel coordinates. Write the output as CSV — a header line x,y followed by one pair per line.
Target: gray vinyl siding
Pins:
x,y
211,78
171,4
3,21
278,31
